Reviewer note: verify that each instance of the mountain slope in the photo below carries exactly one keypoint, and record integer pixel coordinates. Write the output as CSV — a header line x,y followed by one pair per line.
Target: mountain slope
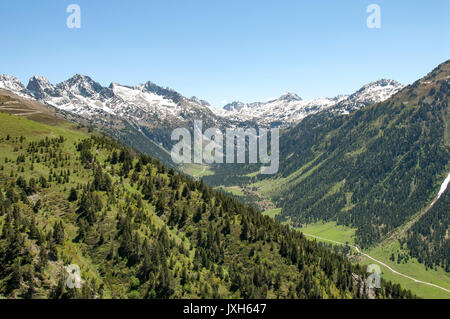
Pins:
x,y
427,240
373,169
138,230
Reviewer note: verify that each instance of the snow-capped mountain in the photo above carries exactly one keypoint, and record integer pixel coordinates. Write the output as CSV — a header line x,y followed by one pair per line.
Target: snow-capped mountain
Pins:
x,y
83,96
290,108
284,111
79,94
151,103
145,110
14,85
374,92
148,113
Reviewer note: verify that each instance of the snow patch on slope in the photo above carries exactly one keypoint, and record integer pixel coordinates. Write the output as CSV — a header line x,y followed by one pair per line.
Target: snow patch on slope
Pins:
x,y
13,84
137,96
444,186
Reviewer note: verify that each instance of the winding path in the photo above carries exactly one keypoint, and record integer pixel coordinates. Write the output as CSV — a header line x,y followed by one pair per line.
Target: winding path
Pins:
x,y
380,262
441,191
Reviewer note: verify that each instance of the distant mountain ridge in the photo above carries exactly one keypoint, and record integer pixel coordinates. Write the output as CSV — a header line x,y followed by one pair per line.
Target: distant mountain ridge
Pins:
x,y
290,108
143,116
82,95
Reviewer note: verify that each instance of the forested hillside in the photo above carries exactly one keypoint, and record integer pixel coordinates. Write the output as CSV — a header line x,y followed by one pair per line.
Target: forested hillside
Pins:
x,y
139,230
427,240
373,169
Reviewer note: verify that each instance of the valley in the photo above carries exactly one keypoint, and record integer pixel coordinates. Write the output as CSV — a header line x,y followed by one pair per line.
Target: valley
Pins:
x,y
408,272
342,168
413,239
224,158
136,229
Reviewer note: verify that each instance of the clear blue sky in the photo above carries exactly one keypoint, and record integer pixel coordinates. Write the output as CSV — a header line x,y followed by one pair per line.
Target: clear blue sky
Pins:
x,y
226,50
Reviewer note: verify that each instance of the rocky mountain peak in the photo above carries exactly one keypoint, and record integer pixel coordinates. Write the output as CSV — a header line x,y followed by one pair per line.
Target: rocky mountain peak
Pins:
x,y
202,102
382,83
289,97
82,85
234,106
165,92
12,83
40,87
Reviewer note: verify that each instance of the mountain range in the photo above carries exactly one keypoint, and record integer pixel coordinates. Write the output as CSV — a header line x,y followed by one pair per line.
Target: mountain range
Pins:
x,y
289,109
143,116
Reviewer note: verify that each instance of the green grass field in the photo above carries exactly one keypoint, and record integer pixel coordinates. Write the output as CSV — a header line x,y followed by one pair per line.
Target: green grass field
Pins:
x,y
272,212
197,170
411,268
235,190
330,231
